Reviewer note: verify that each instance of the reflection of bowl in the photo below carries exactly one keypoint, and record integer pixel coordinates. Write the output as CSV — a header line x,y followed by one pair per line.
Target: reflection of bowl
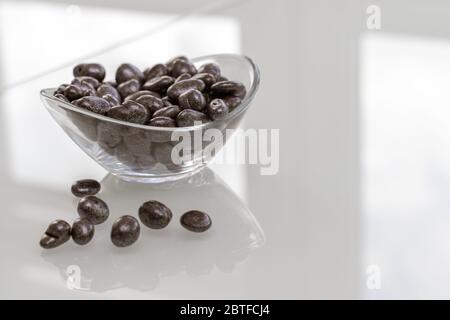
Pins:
x,y
171,252
143,153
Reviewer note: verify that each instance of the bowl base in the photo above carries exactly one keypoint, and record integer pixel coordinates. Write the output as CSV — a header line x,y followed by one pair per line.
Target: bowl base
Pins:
x,y
157,179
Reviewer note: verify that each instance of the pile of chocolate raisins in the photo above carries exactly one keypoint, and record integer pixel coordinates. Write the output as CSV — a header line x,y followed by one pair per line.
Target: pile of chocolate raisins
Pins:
x,y
171,94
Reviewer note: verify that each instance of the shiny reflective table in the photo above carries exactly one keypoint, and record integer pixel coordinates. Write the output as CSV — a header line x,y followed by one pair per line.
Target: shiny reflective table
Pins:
x,y
357,209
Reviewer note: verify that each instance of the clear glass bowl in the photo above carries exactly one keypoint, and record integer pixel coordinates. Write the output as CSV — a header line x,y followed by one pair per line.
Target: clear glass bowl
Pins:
x,y
142,153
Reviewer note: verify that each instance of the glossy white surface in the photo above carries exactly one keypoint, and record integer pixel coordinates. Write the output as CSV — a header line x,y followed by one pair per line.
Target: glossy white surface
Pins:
x,y
358,209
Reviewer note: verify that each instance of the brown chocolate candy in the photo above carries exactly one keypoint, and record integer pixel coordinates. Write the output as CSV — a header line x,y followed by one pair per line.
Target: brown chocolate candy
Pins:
x,y
94,209
109,135
94,70
174,91
61,97
86,79
108,89
192,99
155,214
113,101
57,233
93,104
85,187
82,231
180,66
159,84
196,221
73,92
162,122
170,111
217,109
140,93
157,70
208,78
189,117
128,87
130,111
232,102
228,88
211,68
151,103
183,76
125,231
171,62
128,71
61,89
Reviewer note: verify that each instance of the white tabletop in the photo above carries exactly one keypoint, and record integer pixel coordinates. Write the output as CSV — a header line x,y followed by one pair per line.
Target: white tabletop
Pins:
x,y
358,208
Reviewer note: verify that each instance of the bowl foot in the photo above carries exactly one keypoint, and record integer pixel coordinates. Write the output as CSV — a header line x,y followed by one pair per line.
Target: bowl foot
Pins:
x,y
156,179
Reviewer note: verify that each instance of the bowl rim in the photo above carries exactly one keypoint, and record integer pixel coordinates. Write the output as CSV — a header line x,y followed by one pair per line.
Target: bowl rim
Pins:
x,y
251,92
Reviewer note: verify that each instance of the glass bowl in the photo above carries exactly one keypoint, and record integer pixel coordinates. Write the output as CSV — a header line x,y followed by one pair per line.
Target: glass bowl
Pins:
x,y
142,153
